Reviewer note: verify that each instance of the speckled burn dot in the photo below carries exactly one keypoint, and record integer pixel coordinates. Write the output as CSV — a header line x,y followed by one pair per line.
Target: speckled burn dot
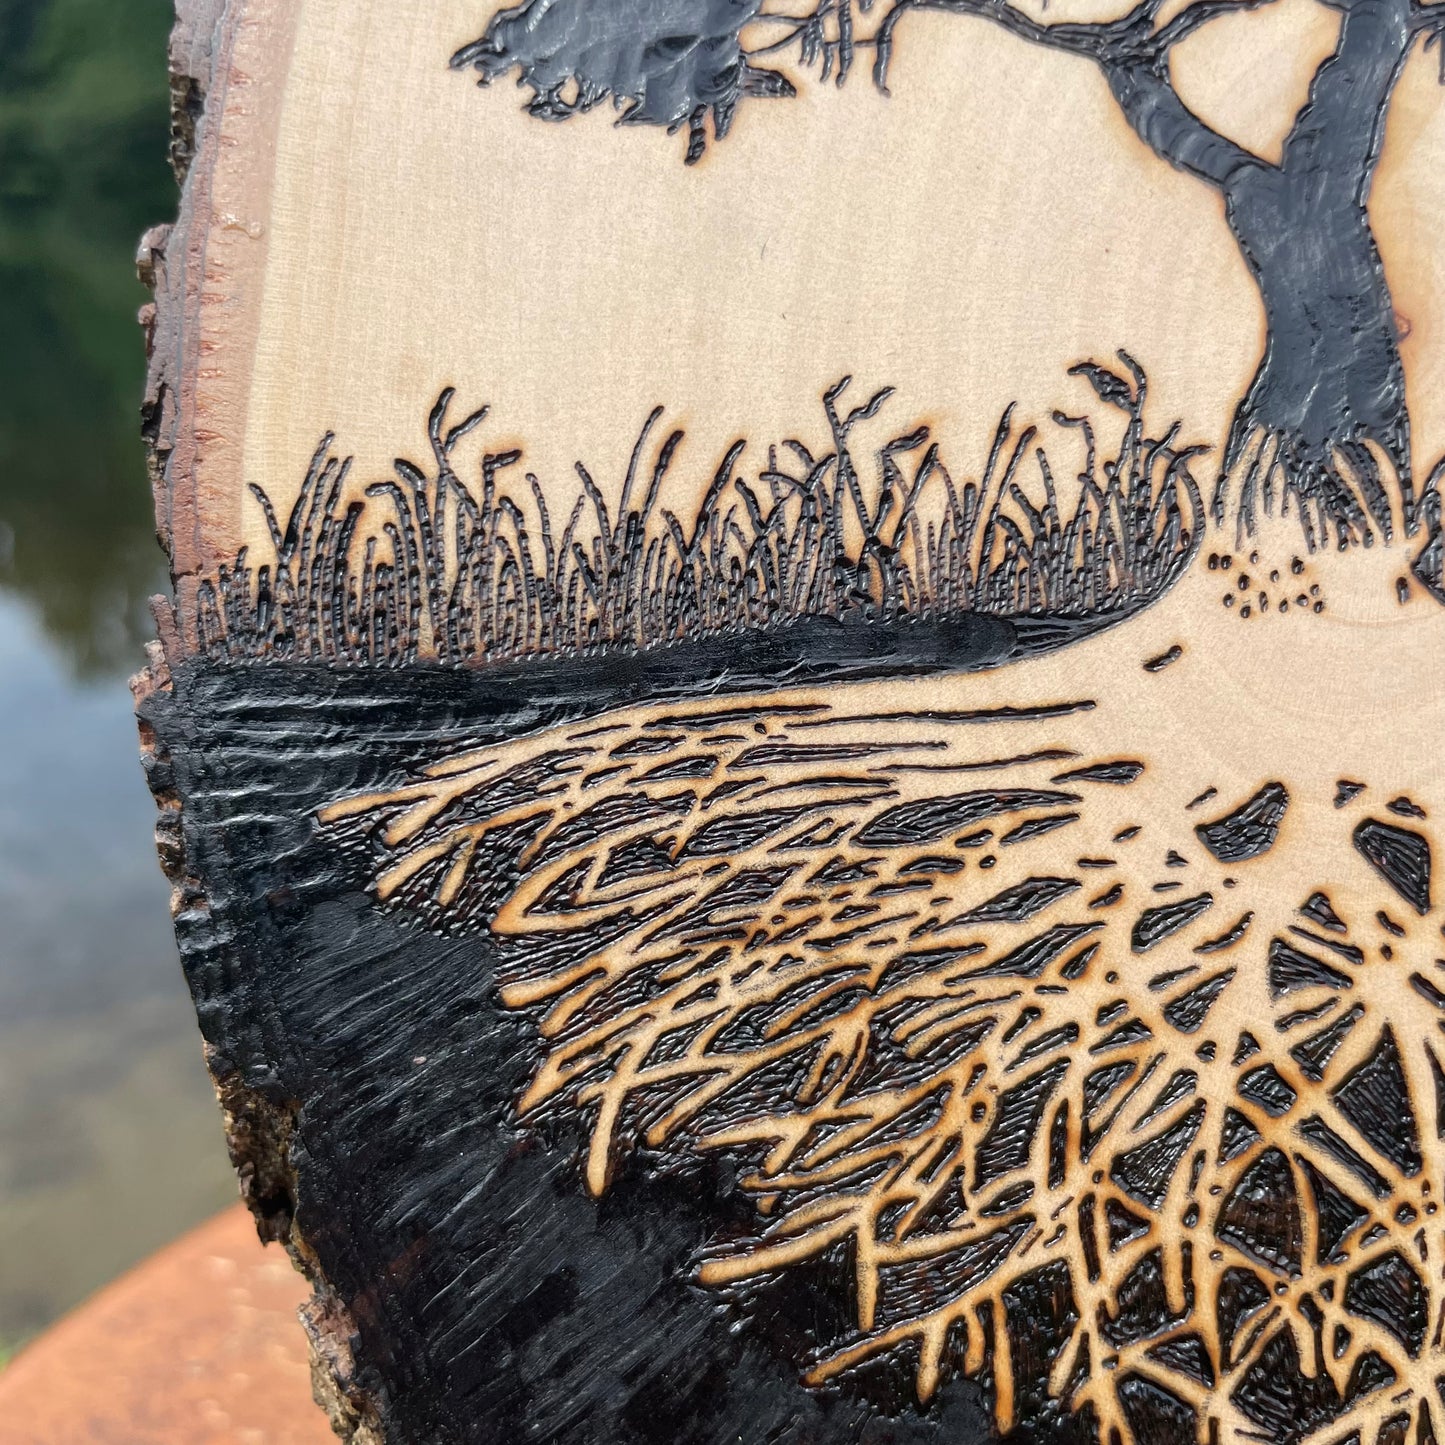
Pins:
x,y
1281,590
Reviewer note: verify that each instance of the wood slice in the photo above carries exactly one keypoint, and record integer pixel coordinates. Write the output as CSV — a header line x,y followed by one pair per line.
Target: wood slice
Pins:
x,y
800,737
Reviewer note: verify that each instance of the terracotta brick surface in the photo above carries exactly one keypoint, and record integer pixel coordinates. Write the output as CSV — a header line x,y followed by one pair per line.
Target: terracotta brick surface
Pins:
x,y
200,1345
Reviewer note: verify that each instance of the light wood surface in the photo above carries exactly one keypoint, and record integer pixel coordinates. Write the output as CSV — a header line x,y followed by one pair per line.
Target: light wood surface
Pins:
x,y
1063,693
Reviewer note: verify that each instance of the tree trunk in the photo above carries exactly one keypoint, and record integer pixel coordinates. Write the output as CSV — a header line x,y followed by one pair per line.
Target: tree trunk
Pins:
x,y
1331,379
1331,382
1330,386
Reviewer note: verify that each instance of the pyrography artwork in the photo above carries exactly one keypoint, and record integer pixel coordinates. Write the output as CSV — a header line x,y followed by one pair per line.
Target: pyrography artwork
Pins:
x,y
802,765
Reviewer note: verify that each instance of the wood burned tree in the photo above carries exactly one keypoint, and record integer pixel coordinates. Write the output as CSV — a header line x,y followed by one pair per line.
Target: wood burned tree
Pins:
x,y
1324,425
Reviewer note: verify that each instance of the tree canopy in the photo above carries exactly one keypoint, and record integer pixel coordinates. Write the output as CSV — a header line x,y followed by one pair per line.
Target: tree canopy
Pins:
x,y
676,62
664,62
1330,386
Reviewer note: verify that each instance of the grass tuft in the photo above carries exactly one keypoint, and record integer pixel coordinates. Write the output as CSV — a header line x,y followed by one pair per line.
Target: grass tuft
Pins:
x,y
423,565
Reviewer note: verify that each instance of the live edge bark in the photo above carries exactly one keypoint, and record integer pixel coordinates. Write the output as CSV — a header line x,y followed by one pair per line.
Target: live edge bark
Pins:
x,y
258,1129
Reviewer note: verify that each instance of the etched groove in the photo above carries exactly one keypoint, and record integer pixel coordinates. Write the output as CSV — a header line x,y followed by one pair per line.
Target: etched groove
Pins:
x,y
952,1061
1250,829
1154,925
1400,856
813,568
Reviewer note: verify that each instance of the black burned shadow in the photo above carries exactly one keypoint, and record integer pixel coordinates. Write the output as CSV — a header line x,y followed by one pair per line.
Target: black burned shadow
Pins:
x,y
821,567
866,958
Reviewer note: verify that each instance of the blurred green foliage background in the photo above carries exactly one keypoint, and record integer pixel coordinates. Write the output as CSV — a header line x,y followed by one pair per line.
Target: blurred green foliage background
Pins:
x,y
110,1142
84,122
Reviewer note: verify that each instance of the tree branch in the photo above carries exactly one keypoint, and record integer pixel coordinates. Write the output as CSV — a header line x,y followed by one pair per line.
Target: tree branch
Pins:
x,y
1131,33
1170,129
1341,125
1200,13
1094,39
1428,19
1135,59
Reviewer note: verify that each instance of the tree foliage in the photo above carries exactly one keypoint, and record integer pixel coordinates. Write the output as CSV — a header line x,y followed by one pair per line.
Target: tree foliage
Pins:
x,y
664,62
677,62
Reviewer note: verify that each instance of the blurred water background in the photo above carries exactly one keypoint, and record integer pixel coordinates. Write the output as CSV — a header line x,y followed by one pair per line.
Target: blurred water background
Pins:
x,y
110,1142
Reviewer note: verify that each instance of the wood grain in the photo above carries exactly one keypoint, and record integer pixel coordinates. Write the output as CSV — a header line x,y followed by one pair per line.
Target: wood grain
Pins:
x,y
800,740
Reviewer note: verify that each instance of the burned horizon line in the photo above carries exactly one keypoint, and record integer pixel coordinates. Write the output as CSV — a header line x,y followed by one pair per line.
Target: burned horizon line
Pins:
x,y
814,562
